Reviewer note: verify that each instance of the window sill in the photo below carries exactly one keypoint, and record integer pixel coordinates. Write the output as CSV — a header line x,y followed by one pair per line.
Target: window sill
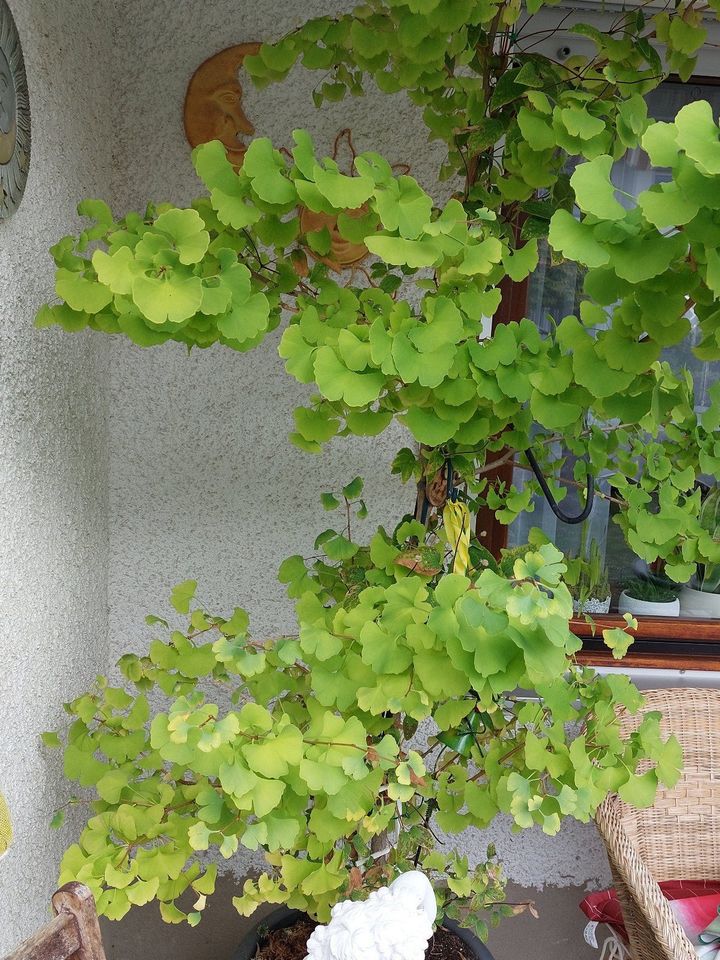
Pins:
x,y
660,642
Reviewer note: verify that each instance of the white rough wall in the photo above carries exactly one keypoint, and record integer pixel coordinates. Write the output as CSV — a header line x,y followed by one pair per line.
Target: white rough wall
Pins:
x,y
53,452
203,482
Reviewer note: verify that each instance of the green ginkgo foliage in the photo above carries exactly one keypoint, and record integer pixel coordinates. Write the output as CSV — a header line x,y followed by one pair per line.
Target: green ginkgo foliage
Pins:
x,y
191,275
312,759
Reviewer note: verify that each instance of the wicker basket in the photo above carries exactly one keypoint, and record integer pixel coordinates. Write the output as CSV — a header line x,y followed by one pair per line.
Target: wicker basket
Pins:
x,y
676,839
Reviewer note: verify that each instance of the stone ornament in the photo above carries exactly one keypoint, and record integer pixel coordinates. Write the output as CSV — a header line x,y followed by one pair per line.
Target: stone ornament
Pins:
x,y
14,116
213,102
394,923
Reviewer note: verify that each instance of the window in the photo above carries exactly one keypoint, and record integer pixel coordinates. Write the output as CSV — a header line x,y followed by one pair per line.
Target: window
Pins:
x,y
555,291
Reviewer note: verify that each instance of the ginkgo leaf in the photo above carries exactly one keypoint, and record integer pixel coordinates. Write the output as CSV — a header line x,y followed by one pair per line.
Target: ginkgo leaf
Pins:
x,y
554,413
660,143
594,192
576,240
246,319
427,427
536,129
213,167
81,294
481,257
580,123
266,169
398,250
167,299
641,258
665,205
187,230
343,193
62,315
337,382
404,206
521,262
117,271
698,135
137,329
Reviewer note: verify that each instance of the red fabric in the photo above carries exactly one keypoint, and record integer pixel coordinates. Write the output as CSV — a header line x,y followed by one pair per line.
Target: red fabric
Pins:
x,y
604,906
695,915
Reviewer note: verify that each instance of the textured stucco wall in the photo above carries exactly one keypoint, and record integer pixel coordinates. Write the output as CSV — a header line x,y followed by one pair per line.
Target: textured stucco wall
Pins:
x,y
202,480
53,451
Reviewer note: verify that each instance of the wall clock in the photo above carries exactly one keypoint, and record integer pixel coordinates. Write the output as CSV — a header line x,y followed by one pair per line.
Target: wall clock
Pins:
x,y
14,116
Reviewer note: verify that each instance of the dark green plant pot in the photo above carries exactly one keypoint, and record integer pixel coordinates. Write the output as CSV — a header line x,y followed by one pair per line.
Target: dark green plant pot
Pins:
x,y
282,917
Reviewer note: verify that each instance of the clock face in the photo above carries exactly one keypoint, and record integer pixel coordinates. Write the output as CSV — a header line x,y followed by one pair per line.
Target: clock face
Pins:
x,y
14,116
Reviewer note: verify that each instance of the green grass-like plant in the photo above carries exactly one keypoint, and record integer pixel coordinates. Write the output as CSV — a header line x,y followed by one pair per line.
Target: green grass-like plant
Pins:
x,y
587,576
651,590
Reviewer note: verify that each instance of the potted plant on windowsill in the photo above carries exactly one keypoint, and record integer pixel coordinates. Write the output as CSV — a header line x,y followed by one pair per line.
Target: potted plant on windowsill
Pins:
x,y
701,596
588,580
316,756
649,597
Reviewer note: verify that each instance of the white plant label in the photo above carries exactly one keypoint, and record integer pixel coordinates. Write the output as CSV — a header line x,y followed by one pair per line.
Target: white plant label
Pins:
x,y
590,933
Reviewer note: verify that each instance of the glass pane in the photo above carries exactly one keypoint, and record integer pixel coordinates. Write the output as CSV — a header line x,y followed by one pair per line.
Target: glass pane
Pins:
x,y
555,292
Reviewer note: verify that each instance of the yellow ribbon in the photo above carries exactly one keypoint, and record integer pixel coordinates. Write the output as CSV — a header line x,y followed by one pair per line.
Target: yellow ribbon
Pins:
x,y
456,519
5,826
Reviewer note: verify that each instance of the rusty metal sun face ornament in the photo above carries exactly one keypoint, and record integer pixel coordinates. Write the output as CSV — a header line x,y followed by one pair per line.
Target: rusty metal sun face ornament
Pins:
x,y
14,116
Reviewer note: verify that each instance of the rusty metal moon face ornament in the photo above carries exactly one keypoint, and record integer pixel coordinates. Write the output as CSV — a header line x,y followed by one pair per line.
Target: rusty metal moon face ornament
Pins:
x,y
213,102
14,116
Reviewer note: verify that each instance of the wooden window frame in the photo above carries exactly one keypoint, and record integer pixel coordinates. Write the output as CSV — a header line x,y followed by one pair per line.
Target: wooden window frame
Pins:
x,y
672,643
669,643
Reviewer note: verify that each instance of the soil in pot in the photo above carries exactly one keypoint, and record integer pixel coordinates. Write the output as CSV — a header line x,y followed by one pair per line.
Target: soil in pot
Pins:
x,y
286,943
289,943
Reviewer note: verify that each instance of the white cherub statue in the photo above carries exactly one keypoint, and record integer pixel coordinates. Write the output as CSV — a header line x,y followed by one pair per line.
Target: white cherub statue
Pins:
x,y
394,923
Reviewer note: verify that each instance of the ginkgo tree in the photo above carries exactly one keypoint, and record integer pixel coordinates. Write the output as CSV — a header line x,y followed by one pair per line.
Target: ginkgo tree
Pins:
x,y
318,761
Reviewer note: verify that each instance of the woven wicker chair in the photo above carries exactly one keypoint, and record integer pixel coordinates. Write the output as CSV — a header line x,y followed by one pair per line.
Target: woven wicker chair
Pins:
x,y
676,839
